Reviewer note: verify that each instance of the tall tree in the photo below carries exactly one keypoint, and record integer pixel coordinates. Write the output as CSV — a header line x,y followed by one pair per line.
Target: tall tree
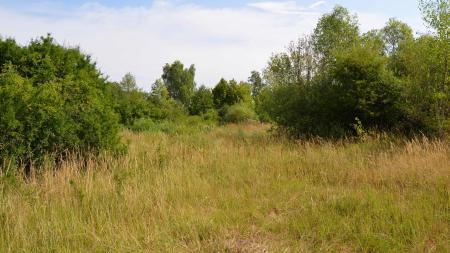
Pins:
x,y
335,31
230,93
179,82
295,66
436,14
394,33
202,101
221,93
128,83
396,36
159,90
256,82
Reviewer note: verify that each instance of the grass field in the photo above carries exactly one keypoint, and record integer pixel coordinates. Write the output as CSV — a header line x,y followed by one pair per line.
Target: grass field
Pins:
x,y
236,189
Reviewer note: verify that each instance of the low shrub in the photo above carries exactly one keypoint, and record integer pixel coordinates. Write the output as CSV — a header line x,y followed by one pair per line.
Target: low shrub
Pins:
x,y
239,113
185,125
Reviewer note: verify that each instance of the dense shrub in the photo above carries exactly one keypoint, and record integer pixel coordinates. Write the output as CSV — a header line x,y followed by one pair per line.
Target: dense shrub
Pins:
x,y
239,113
227,93
53,101
144,124
383,80
202,101
130,102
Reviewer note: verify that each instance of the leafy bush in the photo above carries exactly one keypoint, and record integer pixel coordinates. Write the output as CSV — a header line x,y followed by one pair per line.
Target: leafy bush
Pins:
x,y
239,113
165,109
202,101
53,101
129,101
325,85
211,116
144,124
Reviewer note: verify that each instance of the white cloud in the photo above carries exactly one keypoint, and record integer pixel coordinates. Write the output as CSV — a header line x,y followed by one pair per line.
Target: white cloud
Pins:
x,y
317,4
221,42
284,7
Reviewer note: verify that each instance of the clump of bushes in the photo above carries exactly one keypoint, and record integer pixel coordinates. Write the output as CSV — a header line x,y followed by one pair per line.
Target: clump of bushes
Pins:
x,y
239,113
382,81
53,101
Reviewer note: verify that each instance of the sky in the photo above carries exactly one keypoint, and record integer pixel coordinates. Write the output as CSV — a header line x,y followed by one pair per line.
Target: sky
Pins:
x,y
223,38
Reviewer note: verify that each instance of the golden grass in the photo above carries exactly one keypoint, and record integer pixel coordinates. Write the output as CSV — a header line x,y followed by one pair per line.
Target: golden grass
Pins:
x,y
236,189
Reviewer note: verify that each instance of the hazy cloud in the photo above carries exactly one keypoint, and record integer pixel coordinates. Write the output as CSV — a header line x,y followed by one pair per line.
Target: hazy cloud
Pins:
x,y
317,4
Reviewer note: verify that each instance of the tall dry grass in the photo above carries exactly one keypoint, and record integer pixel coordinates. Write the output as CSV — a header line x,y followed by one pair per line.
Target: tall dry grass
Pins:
x,y
235,189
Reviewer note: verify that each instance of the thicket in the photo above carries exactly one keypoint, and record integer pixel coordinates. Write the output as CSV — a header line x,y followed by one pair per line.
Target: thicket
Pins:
x,y
337,81
54,101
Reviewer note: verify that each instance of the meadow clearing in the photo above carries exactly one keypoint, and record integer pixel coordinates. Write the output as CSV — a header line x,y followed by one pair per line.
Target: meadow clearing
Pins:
x,y
235,188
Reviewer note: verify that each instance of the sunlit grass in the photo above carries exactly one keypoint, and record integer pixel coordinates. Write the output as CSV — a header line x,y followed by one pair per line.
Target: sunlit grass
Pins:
x,y
236,189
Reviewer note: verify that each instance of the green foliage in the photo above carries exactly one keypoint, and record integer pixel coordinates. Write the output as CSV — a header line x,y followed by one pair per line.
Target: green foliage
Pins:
x,y
202,101
239,113
364,89
436,13
128,83
335,31
130,102
55,101
229,93
385,79
221,94
357,85
394,33
298,65
256,82
428,97
183,125
179,82
162,107
263,104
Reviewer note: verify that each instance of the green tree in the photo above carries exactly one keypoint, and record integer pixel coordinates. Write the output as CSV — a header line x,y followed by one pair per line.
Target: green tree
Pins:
x,y
335,31
131,103
159,90
256,82
394,33
366,90
229,93
374,39
179,82
297,65
9,51
436,14
202,101
221,94
161,105
128,83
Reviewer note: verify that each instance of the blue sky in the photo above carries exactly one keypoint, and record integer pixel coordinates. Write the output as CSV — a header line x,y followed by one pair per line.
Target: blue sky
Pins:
x,y
223,38
406,9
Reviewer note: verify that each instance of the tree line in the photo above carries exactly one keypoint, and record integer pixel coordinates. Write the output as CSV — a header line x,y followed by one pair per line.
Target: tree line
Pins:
x,y
333,83
338,81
